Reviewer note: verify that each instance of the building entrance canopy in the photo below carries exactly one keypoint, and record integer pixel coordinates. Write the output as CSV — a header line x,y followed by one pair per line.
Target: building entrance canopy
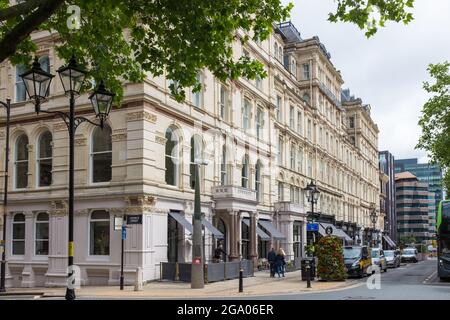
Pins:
x,y
216,233
336,231
266,224
188,226
259,232
390,242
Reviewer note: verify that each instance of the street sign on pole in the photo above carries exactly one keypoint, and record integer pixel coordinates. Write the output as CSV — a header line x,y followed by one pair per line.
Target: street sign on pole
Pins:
x,y
312,227
124,233
134,219
329,230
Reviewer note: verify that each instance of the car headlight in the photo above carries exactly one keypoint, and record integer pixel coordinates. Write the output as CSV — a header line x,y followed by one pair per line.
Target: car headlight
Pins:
x,y
376,262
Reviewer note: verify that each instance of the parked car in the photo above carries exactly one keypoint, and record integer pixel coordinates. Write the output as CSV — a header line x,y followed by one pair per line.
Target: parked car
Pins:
x,y
379,259
358,261
393,258
410,255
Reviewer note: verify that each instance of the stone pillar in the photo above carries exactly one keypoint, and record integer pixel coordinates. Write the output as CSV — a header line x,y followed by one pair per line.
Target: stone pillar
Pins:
x,y
27,272
234,253
56,275
253,238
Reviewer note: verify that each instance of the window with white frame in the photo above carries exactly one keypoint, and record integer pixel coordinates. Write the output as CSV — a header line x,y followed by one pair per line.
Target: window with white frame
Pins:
x,y
293,155
259,122
41,233
300,160
246,114
224,103
309,130
280,191
18,234
310,169
299,122
44,159
291,117
20,87
99,229
258,82
275,50
172,157
101,154
258,183
305,71
21,162
245,172
223,167
197,97
196,154
279,107
294,67
280,150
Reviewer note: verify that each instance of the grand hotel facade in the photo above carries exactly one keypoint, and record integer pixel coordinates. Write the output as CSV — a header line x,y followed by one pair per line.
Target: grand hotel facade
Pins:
x,y
264,140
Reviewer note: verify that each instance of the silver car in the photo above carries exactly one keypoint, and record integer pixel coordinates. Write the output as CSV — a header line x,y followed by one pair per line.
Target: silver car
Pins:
x,y
410,255
379,259
393,258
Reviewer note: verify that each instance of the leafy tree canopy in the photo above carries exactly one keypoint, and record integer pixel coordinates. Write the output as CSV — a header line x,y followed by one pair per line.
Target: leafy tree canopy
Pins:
x,y
176,37
435,118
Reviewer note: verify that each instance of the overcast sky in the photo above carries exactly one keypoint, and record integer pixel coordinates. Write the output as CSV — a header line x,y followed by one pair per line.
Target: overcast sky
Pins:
x,y
387,70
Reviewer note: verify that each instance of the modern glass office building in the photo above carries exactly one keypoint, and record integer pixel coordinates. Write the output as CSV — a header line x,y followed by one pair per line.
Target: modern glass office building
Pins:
x,y
429,173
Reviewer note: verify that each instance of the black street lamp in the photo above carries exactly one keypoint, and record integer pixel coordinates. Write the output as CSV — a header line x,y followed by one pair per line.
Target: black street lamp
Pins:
x,y
313,195
374,218
37,83
7,105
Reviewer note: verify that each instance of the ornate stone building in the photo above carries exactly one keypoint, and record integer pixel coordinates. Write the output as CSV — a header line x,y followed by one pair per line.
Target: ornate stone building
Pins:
x,y
263,139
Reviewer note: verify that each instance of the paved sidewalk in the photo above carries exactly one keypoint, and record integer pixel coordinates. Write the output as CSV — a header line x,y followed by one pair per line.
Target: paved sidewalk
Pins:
x,y
259,285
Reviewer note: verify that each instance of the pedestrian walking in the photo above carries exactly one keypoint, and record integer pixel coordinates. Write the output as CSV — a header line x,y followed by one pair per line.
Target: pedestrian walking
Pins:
x,y
280,262
271,257
218,253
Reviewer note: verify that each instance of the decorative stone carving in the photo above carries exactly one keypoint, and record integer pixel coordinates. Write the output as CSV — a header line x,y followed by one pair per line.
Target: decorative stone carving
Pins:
x,y
119,135
80,142
160,140
2,134
139,204
59,208
141,115
82,212
59,126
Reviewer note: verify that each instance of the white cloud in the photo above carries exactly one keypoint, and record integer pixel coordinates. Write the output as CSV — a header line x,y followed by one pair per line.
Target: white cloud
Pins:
x,y
387,70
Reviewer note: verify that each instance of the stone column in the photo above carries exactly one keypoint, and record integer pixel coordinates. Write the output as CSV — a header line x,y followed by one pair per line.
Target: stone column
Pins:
x,y
253,238
233,236
27,272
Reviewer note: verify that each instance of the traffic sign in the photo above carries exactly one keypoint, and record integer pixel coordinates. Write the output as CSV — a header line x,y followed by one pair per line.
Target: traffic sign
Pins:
x,y
197,261
124,233
312,227
329,230
118,223
134,219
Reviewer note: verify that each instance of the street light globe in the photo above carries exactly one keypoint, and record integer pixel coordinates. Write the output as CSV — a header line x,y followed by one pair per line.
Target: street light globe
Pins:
x,y
37,82
72,77
101,101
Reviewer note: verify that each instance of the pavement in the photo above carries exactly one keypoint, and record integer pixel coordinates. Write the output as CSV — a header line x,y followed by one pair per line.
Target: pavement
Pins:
x,y
259,285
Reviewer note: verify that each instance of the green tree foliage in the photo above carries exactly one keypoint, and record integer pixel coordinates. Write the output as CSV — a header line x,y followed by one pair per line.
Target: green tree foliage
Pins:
x,y
175,37
331,260
407,241
368,15
435,118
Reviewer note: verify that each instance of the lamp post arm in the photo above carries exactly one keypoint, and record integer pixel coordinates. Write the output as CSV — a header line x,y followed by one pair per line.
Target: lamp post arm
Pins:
x,y
78,120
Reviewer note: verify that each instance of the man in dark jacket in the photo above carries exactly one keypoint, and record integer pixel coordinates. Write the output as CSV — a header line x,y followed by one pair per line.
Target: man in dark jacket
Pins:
x,y
271,257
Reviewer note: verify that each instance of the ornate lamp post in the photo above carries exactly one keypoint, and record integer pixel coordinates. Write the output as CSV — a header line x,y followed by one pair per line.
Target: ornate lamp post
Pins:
x,y
313,194
7,105
373,218
37,84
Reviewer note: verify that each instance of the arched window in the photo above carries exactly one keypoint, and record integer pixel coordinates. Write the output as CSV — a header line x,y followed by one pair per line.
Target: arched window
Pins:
x,y
20,87
280,191
45,65
41,235
224,166
259,122
21,162
18,234
258,183
44,159
245,172
196,154
172,157
99,233
101,155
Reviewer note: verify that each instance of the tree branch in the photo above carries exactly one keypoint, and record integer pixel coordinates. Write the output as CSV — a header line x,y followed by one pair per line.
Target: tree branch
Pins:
x,y
22,30
19,9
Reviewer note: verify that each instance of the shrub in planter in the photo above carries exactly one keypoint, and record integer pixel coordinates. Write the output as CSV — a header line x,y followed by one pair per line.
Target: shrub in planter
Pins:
x,y
331,261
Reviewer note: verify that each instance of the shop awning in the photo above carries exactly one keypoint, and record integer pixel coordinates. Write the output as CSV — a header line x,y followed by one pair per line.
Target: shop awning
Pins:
x,y
259,232
389,241
336,231
216,233
182,220
266,224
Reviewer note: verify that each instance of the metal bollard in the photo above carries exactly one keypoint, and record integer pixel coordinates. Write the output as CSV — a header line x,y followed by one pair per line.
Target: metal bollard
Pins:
x,y
308,274
241,280
138,285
